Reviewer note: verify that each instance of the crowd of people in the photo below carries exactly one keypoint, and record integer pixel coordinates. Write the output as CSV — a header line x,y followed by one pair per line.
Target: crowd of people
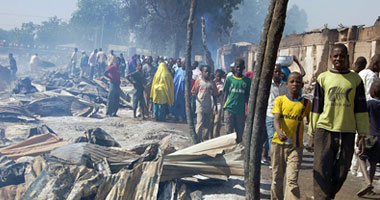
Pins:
x,y
343,118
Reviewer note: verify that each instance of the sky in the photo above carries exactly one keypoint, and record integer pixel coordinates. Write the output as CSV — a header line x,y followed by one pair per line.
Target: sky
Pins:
x,y
332,12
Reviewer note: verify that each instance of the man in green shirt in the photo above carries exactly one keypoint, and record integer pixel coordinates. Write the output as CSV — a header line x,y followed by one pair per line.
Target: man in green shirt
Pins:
x,y
236,91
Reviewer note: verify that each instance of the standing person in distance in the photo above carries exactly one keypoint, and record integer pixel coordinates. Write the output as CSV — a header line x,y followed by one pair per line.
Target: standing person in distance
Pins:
x,y
236,90
113,74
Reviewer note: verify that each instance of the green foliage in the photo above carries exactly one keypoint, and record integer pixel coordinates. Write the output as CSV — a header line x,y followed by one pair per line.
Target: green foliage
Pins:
x,y
23,35
93,16
162,23
52,32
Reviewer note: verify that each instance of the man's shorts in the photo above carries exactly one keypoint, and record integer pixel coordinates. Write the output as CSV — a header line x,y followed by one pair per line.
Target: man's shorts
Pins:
x,y
372,149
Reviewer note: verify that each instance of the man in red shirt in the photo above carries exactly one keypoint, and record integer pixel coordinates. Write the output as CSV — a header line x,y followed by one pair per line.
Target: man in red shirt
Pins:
x,y
113,74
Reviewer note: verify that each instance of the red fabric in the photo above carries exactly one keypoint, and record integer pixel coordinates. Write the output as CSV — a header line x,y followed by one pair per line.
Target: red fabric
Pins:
x,y
249,74
114,72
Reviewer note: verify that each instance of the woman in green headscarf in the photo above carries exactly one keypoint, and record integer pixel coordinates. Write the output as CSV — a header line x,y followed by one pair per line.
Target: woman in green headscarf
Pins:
x,y
162,92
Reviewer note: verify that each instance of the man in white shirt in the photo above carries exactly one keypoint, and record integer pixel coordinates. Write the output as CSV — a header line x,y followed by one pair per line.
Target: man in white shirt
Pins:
x,y
278,88
92,63
74,60
369,75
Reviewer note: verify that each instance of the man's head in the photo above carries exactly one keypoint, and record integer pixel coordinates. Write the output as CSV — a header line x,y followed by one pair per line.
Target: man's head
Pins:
x,y
100,49
277,74
294,83
219,74
83,53
375,63
10,55
117,61
206,71
360,64
111,52
76,49
121,55
95,50
375,90
239,67
195,64
139,67
149,60
339,57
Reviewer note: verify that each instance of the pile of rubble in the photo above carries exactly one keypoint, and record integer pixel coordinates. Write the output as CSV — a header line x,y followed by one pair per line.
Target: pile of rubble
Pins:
x,y
95,166
37,164
56,94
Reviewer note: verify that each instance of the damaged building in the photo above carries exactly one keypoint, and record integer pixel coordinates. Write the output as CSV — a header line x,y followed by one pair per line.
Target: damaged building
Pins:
x,y
312,49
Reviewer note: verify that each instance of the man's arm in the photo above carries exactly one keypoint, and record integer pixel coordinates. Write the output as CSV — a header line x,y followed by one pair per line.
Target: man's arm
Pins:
x,y
106,74
361,117
277,127
317,107
215,103
302,70
194,90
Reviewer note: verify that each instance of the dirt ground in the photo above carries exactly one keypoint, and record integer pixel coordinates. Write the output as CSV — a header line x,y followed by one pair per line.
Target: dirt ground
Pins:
x,y
130,132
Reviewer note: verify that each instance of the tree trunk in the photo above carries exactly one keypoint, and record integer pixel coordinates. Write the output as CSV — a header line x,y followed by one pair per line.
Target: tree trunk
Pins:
x,y
189,41
273,28
253,95
209,60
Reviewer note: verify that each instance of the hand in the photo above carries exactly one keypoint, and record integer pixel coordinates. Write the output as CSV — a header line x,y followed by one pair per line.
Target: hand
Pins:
x,y
216,109
295,59
360,143
282,135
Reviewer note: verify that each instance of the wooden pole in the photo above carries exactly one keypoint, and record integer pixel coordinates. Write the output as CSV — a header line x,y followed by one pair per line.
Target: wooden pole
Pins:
x,y
189,41
253,96
273,38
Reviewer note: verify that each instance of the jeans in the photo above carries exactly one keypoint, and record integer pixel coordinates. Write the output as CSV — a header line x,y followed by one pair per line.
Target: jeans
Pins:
x,y
270,132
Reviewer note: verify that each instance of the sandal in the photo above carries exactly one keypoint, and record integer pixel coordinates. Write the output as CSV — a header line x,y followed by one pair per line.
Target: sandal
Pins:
x,y
365,190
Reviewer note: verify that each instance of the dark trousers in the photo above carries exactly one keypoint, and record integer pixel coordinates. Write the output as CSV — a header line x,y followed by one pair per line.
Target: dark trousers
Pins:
x,y
101,69
235,123
333,153
91,76
113,99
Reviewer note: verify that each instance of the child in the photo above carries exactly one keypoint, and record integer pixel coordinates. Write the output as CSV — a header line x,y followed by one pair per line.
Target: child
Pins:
x,y
204,89
137,80
289,111
219,82
236,89
339,110
372,149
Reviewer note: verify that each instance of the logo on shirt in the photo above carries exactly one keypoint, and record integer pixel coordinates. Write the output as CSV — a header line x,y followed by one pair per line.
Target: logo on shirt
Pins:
x,y
244,85
293,117
338,94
